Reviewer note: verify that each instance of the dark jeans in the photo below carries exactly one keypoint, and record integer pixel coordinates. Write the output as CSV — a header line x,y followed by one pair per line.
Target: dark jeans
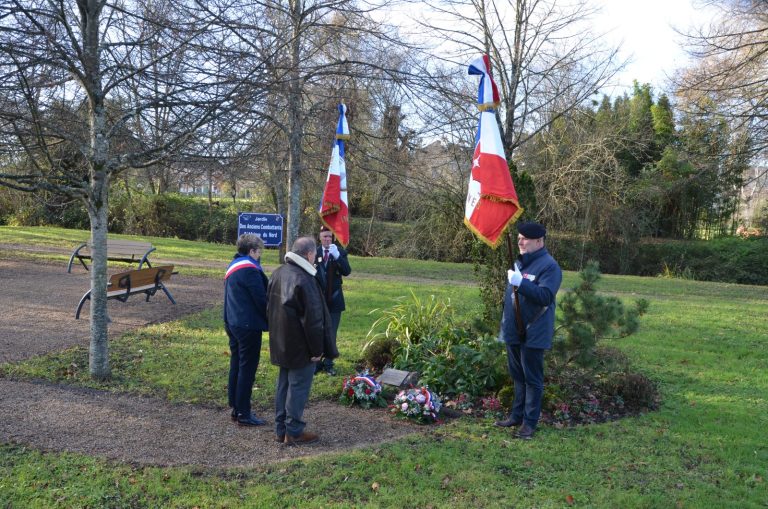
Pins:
x,y
526,366
245,352
327,363
291,397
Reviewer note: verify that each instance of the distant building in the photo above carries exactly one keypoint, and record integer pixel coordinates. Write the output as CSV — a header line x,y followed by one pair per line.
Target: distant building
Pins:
x,y
441,161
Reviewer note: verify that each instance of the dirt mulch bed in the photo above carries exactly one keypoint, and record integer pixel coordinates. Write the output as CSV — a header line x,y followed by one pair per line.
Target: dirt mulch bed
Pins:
x,y
38,302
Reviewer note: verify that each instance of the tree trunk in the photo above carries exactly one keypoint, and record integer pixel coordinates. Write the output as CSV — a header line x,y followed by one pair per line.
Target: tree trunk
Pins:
x,y
98,199
296,132
98,212
98,359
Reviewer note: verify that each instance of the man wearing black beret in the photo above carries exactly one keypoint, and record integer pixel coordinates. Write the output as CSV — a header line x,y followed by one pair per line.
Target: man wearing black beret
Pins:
x,y
528,325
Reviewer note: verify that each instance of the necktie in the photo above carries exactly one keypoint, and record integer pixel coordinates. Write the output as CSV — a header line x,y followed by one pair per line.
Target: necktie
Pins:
x,y
325,256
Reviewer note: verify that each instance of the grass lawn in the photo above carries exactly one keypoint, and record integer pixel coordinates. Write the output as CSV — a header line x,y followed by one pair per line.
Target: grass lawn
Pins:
x,y
705,344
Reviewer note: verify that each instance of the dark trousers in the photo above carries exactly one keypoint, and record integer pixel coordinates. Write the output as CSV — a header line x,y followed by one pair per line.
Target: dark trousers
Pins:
x,y
327,363
245,352
291,397
526,366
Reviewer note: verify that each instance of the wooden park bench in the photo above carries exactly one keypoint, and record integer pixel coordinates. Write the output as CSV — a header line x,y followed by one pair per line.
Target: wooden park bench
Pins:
x,y
117,250
124,284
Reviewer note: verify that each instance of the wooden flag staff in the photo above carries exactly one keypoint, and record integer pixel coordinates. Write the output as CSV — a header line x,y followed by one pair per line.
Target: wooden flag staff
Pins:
x,y
518,315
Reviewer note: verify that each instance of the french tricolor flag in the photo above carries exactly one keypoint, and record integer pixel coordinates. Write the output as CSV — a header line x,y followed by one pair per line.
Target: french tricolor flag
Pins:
x,y
334,208
492,202
487,93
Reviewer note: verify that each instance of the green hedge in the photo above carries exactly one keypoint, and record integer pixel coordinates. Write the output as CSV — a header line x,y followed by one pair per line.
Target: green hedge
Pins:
x,y
725,259
166,215
173,215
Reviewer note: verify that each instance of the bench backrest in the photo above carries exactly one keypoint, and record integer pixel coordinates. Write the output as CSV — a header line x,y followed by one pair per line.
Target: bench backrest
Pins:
x,y
119,247
138,280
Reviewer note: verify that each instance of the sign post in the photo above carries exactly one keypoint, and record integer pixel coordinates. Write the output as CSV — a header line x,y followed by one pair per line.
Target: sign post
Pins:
x,y
267,226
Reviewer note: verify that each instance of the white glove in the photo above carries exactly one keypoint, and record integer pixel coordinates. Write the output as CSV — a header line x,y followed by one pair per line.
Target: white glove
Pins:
x,y
333,251
514,276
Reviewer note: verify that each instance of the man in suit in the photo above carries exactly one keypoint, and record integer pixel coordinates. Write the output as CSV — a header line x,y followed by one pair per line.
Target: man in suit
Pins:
x,y
332,264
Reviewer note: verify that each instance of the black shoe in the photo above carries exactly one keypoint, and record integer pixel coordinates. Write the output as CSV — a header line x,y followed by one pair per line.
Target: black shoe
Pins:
x,y
525,432
233,415
250,420
507,423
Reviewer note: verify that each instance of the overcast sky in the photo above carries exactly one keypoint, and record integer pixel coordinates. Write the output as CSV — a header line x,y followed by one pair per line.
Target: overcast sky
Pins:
x,y
646,29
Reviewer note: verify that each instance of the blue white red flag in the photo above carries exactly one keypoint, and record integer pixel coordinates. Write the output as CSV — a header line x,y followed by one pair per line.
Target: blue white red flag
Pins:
x,y
334,207
487,93
491,198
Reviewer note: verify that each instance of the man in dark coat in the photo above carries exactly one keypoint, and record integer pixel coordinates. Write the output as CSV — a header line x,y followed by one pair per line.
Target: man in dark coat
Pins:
x,y
528,325
331,263
245,318
299,336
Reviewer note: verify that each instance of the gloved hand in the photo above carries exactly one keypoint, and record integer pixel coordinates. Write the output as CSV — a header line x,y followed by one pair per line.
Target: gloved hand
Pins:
x,y
333,251
514,276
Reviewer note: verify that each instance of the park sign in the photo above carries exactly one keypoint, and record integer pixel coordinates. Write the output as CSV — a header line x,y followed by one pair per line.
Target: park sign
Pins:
x,y
267,226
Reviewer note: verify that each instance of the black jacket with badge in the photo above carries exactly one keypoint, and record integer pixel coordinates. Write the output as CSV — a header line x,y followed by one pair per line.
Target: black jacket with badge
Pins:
x,y
299,323
329,275
537,293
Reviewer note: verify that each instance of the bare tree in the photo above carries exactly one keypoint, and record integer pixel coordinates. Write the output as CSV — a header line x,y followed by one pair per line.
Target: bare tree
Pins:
x,y
729,77
545,58
81,81
730,73
312,50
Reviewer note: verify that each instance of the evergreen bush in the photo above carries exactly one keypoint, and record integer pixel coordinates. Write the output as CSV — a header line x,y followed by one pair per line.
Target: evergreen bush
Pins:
x,y
585,318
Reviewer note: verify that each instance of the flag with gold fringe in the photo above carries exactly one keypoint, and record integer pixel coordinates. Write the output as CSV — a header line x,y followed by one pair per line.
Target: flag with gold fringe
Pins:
x,y
492,203
334,209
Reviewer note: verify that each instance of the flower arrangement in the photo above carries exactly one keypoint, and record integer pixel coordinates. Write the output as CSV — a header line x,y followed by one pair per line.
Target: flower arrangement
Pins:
x,y
362,390
418,404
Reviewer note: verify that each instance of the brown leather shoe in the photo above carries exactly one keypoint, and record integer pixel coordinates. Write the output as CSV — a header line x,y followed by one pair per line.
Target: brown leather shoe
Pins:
x,y
279,439
525,432
304,438
507,423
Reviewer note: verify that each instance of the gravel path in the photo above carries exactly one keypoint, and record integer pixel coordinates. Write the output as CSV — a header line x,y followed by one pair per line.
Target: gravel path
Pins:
x,y
38,304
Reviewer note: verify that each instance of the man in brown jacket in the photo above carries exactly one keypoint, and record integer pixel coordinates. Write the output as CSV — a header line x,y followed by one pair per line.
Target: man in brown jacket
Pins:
x,y
299,335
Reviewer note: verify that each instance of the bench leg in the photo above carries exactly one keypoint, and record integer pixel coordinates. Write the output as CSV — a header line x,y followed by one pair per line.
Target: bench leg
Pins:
x,y
144,259
167,293
86,297
72,258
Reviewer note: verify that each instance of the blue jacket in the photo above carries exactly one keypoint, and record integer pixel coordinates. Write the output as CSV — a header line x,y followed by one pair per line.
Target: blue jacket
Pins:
x,y
334,293
541,281
245,294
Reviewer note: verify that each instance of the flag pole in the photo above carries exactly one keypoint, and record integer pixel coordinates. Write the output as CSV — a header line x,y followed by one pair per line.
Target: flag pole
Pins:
x,y
510,250
518,314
